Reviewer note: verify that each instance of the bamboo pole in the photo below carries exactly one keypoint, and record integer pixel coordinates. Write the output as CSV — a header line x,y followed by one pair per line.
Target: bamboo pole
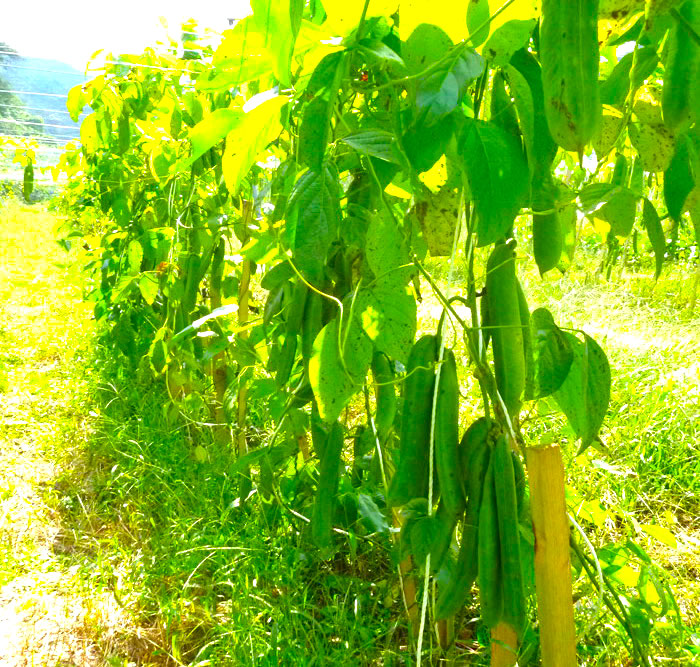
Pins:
x,y
219,371
303,442
445,630
409,587
555,607
243,306
504,646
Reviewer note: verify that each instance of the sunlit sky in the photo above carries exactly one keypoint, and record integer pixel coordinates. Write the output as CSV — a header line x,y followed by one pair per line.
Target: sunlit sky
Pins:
x,y
72,30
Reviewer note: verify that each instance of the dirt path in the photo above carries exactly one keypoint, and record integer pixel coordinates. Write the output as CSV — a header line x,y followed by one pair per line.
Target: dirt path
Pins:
x,y
46,617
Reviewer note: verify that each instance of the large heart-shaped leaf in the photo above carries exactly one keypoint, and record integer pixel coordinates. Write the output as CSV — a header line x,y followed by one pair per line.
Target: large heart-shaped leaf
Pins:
x,y
497,172
259,127
552,355
678,179
211,130
585,394
313,212
375,143
387,314
338,366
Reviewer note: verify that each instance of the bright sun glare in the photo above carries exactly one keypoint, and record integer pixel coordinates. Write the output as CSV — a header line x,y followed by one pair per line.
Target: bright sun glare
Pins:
x,y
72,31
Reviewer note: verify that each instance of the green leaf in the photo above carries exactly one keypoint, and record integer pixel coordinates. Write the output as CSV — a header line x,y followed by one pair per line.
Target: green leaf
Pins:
x,y
660,533
336,379
241,57
260,126
503,112
191,329
161,160
380,51
552,355
615,88
314,132
437,213
386,251
498,177
438,94
425,143
442,91
123,288
313,212
594,196
75,102
316,119
387,314
613,204
211,130
276,276
325,72
619,212
148,286
655,232
158,352
123,133
219,80
585,394
478,14
678,179
120,209
418,532
89,136
426,45
506,40
134,256
371,513
375,143
421,531
279,21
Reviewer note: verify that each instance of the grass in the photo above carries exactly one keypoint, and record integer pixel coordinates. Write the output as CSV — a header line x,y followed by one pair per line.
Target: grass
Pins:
x,y
44,339
127,522
166,565
643,487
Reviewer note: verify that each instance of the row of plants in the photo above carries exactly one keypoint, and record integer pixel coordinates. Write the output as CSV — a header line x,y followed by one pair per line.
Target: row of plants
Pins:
x,y
271,203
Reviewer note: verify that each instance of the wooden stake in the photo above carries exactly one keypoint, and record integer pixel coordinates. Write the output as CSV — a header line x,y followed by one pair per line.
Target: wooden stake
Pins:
x,y
409,588
504,646
445,630
219,371
303,441
555,607
243,300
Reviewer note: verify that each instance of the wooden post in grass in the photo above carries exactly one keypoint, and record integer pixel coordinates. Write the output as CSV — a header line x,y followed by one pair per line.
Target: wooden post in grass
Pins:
x,y
555,606
219,370
243,301
504,646
409,587
445,629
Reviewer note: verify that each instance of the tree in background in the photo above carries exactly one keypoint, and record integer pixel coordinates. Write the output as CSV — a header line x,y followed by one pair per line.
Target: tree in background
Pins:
x,y
12,107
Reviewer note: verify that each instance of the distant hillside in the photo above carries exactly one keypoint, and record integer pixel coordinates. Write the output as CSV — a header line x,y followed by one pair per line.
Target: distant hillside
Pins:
x,y
37,75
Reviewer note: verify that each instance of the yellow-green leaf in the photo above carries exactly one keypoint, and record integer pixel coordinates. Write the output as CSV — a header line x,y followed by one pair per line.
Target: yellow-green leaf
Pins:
x,y
663,535
259,127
